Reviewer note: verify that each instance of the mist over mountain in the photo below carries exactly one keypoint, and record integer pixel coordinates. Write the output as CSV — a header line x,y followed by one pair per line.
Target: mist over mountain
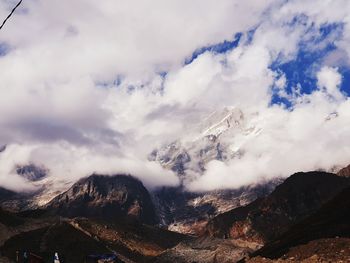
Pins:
x,y
174,131
123,85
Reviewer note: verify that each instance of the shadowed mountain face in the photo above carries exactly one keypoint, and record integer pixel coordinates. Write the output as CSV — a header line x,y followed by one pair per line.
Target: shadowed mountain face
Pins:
x,y
6,194
118,197
71,244
31,172
332,220
264,219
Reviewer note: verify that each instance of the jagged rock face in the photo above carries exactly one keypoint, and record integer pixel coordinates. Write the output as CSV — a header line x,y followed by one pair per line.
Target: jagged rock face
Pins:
x,y
188,212
118,197
264,219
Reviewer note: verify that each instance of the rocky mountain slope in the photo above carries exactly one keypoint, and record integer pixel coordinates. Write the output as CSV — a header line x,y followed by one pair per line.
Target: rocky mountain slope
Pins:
x,y
266,218
234,235
315,251
188,212
119,197
330,221
74,239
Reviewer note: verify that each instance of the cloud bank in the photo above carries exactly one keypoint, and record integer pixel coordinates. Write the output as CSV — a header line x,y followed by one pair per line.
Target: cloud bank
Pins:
x,y
95,87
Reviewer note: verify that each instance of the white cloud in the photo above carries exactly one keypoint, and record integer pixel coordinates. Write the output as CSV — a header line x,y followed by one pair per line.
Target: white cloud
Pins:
x,y
60,105
330,80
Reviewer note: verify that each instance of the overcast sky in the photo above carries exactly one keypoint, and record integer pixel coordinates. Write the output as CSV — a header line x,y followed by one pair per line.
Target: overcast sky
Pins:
x,y
94,86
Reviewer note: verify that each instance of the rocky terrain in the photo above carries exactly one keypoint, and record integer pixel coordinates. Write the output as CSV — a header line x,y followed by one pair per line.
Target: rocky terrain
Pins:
x,y
320,250
188,212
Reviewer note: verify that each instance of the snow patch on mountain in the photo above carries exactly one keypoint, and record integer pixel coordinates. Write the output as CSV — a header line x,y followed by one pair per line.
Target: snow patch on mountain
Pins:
x,y
220,136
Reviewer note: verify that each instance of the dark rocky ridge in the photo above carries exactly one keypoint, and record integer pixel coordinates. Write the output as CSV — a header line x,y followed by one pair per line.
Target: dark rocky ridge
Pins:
x,y
118,197
332,220
266,218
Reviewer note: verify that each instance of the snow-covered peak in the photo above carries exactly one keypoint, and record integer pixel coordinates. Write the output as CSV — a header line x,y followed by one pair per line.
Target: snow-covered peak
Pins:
x,y
220,136
220,121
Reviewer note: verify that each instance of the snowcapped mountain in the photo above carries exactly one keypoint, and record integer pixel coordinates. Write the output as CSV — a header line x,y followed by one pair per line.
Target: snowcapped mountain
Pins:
x,y
218,137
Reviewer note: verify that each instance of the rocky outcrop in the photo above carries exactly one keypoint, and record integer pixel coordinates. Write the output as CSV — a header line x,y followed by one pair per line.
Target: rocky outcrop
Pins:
x,y
119,197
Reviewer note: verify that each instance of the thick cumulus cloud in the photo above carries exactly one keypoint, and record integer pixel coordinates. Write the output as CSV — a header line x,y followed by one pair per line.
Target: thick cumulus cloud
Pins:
x,y
92,86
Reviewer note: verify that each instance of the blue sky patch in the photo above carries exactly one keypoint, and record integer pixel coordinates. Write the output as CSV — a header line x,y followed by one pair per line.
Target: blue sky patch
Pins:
x,y
301,72
4,49
222,47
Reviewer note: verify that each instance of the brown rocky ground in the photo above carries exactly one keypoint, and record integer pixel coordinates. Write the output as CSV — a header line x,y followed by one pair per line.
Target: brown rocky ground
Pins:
x,y
208,250
328,250
136,242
